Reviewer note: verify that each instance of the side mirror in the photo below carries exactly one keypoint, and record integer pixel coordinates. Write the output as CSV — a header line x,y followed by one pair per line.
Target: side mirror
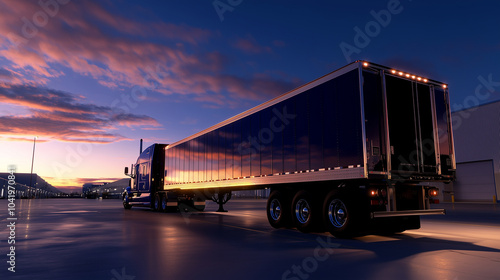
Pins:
x,y
126,170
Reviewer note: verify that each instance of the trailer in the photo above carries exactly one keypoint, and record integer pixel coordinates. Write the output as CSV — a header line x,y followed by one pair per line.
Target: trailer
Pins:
x,y
358,148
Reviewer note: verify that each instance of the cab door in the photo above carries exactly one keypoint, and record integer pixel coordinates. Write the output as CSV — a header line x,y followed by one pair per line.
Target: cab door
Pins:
x,y
144,184
143,171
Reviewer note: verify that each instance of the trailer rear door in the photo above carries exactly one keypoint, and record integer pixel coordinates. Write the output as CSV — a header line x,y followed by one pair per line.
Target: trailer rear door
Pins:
x,y
411,119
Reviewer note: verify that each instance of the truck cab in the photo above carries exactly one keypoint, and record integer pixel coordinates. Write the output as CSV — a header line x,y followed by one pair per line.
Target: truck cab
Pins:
x,y
147,177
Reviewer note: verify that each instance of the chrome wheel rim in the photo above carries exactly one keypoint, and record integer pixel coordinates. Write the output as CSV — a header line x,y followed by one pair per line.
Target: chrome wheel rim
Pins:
x,y
164,204
157,202
337,213
275,209
302,211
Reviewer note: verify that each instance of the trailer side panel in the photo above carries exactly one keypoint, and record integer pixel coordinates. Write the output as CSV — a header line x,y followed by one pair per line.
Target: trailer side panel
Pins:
x,y
316,130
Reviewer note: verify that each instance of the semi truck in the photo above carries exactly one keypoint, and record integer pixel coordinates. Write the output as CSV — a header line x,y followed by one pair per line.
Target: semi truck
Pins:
x,y
362,147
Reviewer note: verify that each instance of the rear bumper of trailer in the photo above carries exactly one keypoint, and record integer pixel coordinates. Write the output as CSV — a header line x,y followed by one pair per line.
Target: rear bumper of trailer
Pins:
x,y
384,214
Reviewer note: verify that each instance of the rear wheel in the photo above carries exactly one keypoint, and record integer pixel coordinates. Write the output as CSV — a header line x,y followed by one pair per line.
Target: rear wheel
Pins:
x,y
157,202
340,216
169,198
164,207
305,212
277,210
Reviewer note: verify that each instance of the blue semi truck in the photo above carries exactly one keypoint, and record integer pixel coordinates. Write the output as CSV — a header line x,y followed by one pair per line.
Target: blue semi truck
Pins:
x,y
356,149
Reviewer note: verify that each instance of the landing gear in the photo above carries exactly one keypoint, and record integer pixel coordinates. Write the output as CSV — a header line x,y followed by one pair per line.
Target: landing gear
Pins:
x,y
221,198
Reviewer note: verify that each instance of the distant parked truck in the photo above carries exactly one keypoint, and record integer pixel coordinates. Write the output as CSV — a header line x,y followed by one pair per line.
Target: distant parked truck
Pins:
x,y
351,151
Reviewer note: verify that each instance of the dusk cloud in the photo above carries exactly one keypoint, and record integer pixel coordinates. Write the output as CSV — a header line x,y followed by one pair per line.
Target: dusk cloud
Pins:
x,y
250,45
64,117
120,53
5,74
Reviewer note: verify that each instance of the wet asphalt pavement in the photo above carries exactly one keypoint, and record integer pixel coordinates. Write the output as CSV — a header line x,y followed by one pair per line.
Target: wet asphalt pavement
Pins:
x,y
98,239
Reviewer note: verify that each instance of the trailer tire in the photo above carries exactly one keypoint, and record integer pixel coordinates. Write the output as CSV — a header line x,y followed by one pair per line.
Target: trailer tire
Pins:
x,y
277,210
305,212
341,217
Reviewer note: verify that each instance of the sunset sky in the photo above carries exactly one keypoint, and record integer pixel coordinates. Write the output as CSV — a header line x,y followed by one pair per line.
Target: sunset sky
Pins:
x,y
91,78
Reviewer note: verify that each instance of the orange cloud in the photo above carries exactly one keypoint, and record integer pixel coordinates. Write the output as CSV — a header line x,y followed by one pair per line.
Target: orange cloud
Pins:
x,y
61,116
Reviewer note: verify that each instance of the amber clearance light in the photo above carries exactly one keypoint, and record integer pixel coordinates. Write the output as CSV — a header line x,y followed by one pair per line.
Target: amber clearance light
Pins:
x,y
407,75
433,192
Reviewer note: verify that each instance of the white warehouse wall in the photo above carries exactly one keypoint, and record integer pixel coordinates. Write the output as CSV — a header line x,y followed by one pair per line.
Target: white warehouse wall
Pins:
x,y
477,136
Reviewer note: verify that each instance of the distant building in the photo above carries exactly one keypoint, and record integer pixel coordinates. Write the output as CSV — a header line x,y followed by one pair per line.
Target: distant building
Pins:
x,y
105,190
477,148
39,187
89,189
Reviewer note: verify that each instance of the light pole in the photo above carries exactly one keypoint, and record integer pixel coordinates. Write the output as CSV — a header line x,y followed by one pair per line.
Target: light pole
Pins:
x,y
32,160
